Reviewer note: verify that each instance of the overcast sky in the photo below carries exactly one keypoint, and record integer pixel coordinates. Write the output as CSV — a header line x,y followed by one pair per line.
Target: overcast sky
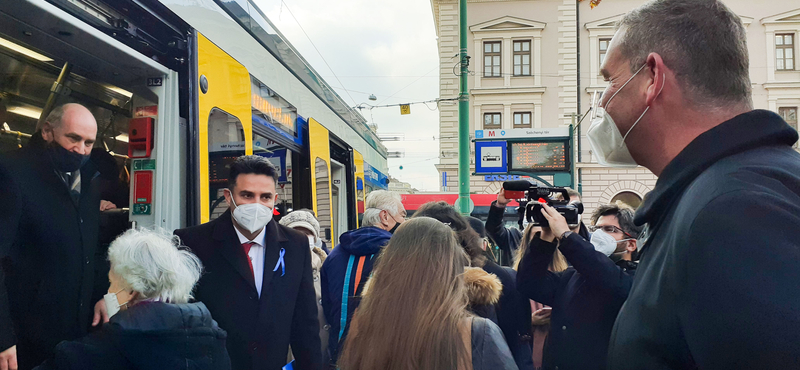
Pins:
x,y
386,48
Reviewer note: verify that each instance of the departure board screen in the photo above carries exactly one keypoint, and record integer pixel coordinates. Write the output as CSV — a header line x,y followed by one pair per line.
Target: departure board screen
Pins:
x,y
539,157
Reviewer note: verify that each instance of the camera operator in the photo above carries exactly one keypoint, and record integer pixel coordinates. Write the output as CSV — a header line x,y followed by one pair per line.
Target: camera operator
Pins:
x,y
586,297
509,238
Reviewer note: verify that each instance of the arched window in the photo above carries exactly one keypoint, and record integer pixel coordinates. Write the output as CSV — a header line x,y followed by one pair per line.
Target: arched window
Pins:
x,y
629,198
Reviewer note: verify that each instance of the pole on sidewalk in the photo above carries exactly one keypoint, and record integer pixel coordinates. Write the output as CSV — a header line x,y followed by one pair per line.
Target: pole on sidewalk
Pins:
x,y
463,116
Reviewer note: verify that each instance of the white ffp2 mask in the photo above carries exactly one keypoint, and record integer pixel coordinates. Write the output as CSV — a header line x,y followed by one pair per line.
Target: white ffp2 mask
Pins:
x,y
252,216
605,243
606,140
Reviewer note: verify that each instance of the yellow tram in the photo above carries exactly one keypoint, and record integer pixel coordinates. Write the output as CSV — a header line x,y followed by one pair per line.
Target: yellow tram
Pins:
x,y
179,88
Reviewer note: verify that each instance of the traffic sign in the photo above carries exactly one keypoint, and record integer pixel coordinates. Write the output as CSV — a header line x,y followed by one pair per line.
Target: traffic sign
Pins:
x,y
491,157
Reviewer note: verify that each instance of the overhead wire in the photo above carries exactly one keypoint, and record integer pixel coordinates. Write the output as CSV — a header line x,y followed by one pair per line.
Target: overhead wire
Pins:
x,y
413,82
315,48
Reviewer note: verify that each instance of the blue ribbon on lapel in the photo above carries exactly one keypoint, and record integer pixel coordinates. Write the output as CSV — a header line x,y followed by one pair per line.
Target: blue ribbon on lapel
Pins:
x,y
280,263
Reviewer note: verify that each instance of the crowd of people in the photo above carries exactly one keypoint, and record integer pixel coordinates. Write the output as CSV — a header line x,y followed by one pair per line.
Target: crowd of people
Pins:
x,y
703,275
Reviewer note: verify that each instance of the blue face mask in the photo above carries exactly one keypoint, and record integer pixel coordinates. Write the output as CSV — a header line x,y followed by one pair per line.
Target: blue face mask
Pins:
x,y
65,160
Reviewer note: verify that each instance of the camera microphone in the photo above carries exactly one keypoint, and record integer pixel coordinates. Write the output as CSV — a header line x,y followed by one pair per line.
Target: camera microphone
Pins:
x,y
518,185
515,189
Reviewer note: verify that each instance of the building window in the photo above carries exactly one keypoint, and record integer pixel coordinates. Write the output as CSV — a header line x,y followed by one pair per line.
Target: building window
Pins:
x,y
491,121
491,59
784,52
602,50
522,58
789,115
522,120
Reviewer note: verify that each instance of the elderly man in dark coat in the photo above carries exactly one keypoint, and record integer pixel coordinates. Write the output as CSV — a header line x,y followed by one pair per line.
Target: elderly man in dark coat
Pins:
x,y
50,209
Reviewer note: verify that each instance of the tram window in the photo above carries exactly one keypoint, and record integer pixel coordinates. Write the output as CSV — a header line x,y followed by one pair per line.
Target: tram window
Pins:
x,y
225,144
281,157
323,198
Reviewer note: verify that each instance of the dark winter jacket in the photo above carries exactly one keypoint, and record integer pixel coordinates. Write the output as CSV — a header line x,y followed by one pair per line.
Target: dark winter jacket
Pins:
x,y
513,316
717,286
506,238
489,349
51,271
149,335
585,299
348,265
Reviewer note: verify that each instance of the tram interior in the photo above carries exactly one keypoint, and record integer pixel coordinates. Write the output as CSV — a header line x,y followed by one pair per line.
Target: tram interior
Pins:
x,y
37,74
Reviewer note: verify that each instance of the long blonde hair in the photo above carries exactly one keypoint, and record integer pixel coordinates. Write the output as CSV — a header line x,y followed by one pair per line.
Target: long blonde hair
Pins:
x,y
557,264
412,316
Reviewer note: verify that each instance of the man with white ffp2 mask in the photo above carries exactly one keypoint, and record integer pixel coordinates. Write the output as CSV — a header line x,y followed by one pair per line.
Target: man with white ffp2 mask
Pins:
x,y
258,283
585,299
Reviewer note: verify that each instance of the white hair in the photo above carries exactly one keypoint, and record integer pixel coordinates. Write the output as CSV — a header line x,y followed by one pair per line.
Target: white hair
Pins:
x,y
153,264
377,201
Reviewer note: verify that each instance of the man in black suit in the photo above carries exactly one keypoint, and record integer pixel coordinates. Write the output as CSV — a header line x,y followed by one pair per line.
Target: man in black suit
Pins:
x,y
49,215
257,283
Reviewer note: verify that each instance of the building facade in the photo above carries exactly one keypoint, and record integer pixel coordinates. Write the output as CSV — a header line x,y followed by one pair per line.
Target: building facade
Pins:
x,y
524,71
400,187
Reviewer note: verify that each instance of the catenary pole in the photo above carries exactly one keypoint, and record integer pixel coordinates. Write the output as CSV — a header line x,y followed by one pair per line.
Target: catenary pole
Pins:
x,y
463,116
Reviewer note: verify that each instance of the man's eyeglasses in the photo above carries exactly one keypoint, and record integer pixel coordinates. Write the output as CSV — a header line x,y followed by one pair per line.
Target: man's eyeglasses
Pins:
x,y
610,229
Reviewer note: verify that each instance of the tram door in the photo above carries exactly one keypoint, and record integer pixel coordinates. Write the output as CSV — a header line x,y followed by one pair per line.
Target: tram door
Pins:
x,y
123,89
320,164
225,123
358,186
339,195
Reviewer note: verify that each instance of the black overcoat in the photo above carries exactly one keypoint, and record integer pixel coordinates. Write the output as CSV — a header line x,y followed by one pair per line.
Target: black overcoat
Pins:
x,y
260,330
53,271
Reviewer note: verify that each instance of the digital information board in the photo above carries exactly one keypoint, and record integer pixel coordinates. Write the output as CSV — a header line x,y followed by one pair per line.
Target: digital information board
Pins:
x,y
548,156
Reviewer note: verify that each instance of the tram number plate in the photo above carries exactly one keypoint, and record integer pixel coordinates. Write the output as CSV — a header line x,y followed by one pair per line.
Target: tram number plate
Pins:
x,y
155,81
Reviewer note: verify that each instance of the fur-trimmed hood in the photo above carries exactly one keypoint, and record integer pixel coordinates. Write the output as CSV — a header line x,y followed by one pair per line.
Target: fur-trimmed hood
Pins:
x,y
483,288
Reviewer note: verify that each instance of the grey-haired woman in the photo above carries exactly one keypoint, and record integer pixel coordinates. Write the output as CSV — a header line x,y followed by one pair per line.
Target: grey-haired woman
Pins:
x,y
152,325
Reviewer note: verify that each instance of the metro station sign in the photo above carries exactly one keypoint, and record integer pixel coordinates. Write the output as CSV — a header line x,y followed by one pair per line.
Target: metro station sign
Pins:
x,y
522,133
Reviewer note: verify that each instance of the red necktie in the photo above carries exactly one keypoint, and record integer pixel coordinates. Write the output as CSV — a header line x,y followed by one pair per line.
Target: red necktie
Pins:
x,y
246,247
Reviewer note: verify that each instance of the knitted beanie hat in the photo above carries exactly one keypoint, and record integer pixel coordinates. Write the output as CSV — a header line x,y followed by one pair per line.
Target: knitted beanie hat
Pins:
x,y
302,219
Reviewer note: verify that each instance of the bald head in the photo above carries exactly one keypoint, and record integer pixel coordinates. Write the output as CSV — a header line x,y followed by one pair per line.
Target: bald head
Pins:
x,y
72,126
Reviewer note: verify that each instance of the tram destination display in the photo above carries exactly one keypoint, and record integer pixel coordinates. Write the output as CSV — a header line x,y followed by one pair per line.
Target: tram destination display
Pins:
x,y
548,156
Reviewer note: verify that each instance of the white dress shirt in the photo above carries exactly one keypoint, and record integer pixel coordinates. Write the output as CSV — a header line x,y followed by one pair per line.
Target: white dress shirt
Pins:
x,y
256,255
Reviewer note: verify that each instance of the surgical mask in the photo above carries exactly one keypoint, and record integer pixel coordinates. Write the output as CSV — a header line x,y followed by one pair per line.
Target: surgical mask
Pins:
x,y
65,160
311,242
604,136
605,243
252,217
112,303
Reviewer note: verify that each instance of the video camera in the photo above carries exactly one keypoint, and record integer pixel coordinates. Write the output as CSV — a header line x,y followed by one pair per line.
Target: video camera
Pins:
x,y
529,194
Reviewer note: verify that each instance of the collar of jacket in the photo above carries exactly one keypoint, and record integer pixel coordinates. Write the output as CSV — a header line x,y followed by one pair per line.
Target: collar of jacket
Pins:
x,y
628,265
757,128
